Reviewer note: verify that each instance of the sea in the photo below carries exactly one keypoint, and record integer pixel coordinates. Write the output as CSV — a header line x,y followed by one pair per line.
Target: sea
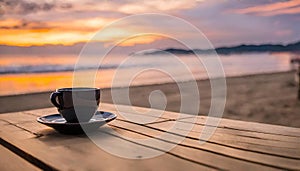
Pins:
x,y
35,73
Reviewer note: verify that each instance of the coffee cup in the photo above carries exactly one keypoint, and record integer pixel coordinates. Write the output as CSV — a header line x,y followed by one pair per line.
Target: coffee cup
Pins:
x,y
76,104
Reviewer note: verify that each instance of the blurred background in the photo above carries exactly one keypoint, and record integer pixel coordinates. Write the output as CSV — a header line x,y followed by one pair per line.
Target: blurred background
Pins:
x,y
255,40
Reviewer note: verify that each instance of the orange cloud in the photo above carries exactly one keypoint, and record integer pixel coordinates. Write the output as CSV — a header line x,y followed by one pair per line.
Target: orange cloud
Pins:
x,y
16,33
41,37
288,7
9,22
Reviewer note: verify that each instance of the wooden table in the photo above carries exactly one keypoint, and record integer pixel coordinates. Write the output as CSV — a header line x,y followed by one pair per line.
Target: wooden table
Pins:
x,y
236,145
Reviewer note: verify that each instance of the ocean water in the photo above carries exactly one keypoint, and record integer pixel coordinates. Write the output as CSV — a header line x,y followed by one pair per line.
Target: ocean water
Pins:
x,y
27,74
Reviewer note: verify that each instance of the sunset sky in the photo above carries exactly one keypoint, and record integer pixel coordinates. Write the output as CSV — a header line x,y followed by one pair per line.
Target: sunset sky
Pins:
x,y
224,22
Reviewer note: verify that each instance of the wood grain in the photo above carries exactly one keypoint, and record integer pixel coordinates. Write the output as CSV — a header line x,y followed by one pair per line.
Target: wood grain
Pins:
x,y
10,161
236,145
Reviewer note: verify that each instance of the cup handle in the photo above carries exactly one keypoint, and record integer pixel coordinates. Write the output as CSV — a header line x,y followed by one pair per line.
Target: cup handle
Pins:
x,y
53,99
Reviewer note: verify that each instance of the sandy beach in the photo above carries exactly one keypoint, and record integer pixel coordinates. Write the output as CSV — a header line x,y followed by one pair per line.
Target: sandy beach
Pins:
x,y
265,98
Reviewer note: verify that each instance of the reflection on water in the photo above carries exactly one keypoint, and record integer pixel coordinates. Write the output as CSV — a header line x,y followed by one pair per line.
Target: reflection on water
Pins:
x,y
36,74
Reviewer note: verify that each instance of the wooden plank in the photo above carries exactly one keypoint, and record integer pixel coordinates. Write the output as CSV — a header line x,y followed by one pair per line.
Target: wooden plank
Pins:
x,y
225,123
264,146
255,157
226,162
254,143
248,140
202,157
64,152
269,146
10,161
251,127
191,149
129,110
241,134
234,146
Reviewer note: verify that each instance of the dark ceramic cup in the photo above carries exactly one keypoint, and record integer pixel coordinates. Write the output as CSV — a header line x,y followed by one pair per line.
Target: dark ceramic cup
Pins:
x,y
76,104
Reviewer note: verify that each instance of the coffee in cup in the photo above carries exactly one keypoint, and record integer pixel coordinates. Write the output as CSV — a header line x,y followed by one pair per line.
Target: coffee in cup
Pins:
x,y
76,104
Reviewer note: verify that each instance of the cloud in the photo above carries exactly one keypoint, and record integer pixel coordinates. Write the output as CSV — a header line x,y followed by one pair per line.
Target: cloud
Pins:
x,y
278,8
41,22
156,5
23,7
224,28
66,6
53,32
15,26
54,22
133,6
10,24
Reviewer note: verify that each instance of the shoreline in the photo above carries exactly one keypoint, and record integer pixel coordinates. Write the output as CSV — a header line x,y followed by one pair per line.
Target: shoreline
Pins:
x,y
154,84
268,98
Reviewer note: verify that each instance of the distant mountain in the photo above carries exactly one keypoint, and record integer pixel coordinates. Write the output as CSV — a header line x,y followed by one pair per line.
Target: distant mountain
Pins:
x,y
41,50
93,48
97,47
293,47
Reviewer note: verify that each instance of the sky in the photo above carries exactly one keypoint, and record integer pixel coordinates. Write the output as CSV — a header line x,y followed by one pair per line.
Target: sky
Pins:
x,y
31,23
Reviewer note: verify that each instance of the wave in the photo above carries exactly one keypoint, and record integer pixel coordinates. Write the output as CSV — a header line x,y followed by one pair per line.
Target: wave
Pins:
x,y
48,68
62,68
